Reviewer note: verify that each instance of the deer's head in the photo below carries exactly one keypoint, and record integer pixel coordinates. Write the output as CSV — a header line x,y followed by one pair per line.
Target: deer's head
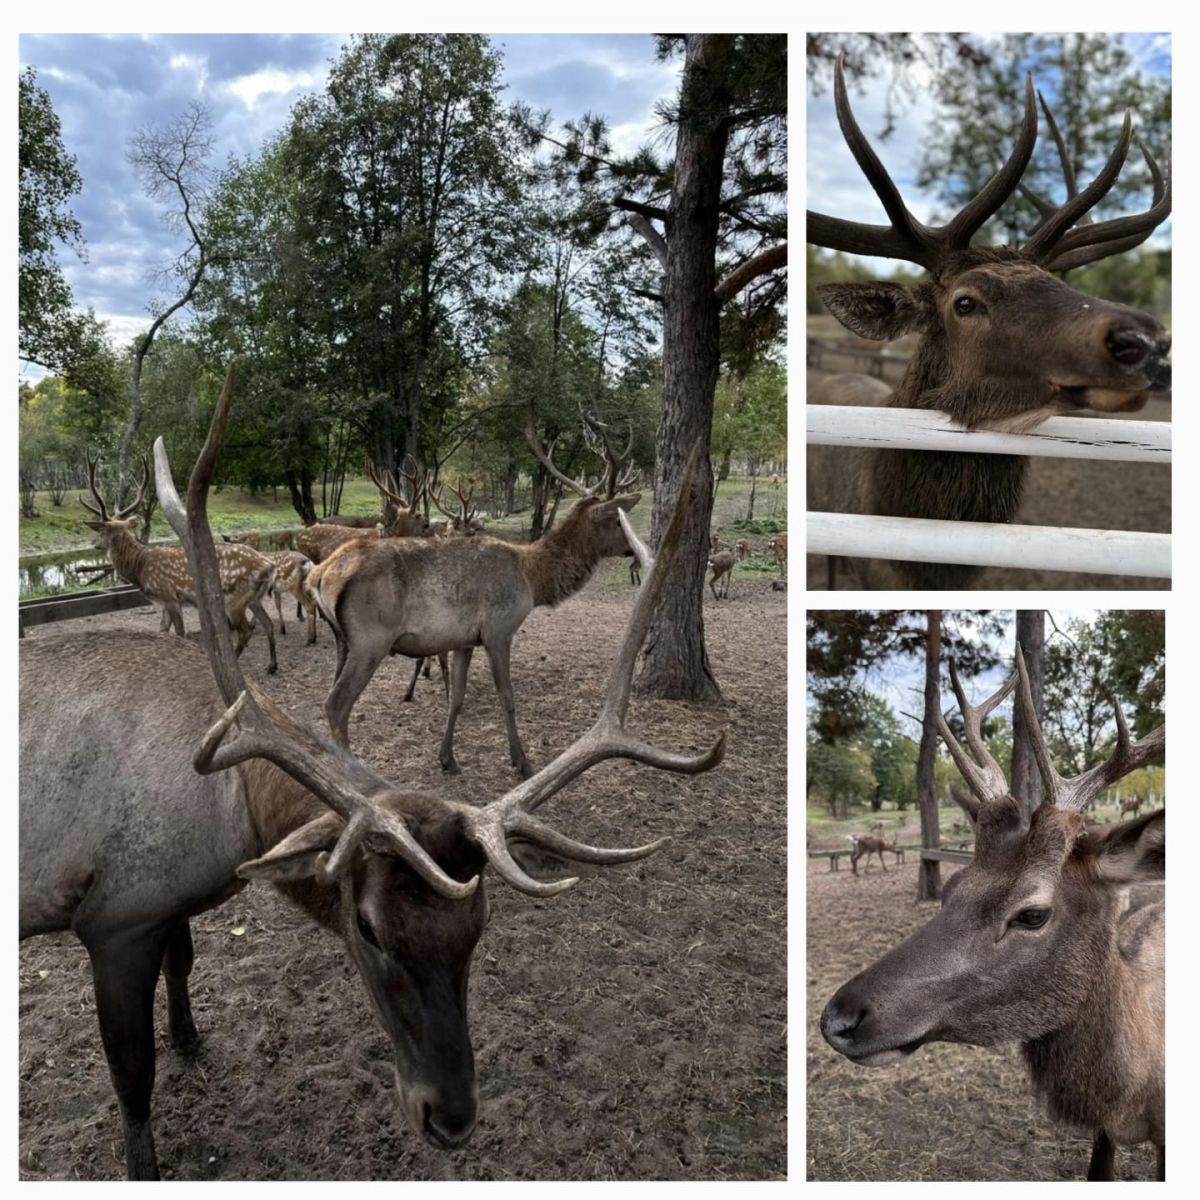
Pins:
x,y
1005,343
1026,930
112,527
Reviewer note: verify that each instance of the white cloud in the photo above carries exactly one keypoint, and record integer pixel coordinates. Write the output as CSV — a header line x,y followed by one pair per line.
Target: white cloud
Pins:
x,y
271,81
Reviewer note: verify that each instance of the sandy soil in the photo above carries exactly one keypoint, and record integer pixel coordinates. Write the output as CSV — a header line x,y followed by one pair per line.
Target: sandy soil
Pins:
x,y
631,1028
1078,493
948,1112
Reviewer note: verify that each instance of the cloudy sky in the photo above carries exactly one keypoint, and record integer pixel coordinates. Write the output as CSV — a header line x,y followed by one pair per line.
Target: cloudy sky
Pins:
x,y
103,88
835,184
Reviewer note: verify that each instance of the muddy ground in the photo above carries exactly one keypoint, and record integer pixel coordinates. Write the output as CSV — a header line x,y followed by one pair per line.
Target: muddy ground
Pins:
x,y
630,1028
947,1112
1078,493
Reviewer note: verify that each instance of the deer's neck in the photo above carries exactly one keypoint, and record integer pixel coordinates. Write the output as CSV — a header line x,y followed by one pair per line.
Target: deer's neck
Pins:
x,y
129,557
1103,1069
559,565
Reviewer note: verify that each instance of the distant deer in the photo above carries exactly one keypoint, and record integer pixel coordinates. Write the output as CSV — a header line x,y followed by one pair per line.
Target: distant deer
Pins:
x,y
1033,944
141,805
743,548
291,569
425,596
162,572
779,552
868,844
1004,344
1132,805
321,540
243,539
722,564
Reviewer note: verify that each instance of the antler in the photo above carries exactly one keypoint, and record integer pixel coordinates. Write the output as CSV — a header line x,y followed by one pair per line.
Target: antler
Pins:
x,y
906,238
1065,238
1078,792
984,777
607,738
536,446
102,511
266,731
415,483
462,519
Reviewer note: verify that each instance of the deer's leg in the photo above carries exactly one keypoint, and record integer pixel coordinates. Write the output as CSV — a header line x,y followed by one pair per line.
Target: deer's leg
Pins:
x,y
277,593
881,862
459,663
125,971
312,625
498,656
177,966
261,614
1101,1166
412,683
445,676
357,667
173,613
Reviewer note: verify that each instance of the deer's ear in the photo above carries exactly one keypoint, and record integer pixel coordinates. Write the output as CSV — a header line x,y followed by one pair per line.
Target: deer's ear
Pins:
x,y
879,311
297,855
608,509
1132,852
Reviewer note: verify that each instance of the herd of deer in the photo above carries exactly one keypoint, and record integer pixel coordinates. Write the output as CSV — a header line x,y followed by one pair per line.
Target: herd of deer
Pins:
x,y
140,806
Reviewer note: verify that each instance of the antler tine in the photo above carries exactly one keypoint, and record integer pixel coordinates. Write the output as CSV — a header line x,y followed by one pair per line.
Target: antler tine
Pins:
x,y
122,513
266,730
1077,792
102,511
606,739
416,485
1088,243
984,776
1041,246
435,494
1047,208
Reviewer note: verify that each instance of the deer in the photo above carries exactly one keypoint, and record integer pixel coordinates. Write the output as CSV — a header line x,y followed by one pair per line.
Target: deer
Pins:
x,y
162,572
743,548
422,597
319,541
1033,944
868,844
722,564
291,570
1003,343
1132,805
779,552
155,786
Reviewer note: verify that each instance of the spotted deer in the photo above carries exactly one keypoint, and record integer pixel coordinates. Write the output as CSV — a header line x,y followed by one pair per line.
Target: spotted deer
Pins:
x,y
1034,944
868,844
156,785
1004,343
162,572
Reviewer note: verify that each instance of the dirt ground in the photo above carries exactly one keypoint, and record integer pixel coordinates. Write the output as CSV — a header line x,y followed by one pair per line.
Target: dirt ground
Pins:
x,y
1078,493
630,1028
946,1113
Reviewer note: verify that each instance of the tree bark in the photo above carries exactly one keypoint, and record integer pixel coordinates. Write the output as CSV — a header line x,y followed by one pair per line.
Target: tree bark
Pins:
x,y
1026,781
676,664
929,876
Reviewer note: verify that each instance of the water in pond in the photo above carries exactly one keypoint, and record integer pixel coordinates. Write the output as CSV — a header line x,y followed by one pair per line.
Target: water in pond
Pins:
x,y
60,573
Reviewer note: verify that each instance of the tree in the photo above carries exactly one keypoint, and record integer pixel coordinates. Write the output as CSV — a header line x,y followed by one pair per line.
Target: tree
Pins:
x,y
50,334
172,165
720,207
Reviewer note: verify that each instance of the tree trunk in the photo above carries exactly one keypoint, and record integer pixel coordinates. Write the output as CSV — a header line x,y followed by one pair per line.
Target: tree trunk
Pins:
x,y
676,664
300,489
1026,780
929,876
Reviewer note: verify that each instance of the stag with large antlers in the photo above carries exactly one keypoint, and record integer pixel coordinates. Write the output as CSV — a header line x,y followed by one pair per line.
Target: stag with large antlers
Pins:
x,y
321,540
162,572
1033,944
177,792
1004,344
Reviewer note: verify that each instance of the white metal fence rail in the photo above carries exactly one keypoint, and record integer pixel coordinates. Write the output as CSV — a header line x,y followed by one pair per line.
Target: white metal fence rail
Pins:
x,y
1092,551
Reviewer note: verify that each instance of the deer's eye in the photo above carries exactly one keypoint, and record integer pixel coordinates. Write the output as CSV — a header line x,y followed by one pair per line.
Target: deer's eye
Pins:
x,y
1031,918
965,305
367,933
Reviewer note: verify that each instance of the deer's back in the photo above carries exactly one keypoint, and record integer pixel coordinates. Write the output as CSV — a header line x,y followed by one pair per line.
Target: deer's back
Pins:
x,y
426,594
116,827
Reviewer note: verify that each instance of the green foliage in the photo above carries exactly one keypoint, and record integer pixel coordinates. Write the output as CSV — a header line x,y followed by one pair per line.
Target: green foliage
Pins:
x,y
50,331
838,775
750,416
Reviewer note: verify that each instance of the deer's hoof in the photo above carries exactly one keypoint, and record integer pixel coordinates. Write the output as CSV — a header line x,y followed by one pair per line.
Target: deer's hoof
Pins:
x,y
524,769
451,767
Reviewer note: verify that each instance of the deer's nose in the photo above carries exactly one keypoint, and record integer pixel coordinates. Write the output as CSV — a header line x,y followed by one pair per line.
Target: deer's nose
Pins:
x,y
1137,348
839,1022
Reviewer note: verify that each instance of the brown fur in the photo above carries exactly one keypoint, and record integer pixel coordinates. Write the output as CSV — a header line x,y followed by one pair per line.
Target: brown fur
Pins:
x,y
1034,347
868,844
